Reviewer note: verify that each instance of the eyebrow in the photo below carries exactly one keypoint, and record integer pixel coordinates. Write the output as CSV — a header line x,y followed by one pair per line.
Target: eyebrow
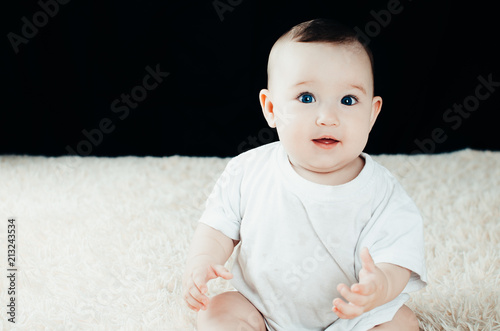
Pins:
x,y
359,87
302,83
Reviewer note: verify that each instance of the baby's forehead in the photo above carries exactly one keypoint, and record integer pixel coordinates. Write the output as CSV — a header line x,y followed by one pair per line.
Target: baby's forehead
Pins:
x,y
285,48
300,57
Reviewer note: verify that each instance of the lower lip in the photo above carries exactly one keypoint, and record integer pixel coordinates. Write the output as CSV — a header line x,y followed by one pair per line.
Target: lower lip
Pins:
x,y
326,145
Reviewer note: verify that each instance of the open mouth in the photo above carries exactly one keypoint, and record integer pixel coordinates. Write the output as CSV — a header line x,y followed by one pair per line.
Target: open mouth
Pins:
x,y
326,142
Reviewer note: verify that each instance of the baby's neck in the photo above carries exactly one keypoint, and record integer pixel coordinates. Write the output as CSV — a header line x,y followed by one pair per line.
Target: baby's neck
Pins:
x,y
337,177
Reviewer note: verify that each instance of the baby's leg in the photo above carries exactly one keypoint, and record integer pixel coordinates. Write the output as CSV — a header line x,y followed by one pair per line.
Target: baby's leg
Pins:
x,y
404,319
230,311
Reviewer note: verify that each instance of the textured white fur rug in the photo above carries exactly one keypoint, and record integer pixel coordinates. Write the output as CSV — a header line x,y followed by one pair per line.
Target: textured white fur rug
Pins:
x,y
101,242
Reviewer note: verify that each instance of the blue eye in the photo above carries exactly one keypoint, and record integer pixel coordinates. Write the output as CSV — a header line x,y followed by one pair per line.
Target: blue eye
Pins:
x,y
306,98
349,100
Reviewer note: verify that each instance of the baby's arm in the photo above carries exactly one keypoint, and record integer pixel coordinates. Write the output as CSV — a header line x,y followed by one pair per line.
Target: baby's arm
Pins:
x,y
209,250
378,284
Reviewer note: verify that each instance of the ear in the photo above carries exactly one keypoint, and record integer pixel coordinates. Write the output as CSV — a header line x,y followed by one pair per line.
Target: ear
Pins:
x,y
376,108
267,107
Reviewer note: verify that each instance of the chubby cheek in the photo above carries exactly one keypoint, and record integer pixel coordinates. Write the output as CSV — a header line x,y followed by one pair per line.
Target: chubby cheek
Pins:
x,y
359,137
361,141
292,133
289,118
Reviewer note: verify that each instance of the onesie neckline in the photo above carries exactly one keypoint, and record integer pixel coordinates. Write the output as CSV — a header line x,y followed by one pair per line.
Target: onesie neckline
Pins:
x,y
321,192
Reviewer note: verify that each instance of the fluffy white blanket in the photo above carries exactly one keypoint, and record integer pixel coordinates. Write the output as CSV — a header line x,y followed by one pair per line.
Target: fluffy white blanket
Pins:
x,y
101,242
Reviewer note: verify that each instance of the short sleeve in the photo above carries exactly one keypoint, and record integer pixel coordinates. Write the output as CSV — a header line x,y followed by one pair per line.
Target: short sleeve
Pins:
x,y
222,208
395,235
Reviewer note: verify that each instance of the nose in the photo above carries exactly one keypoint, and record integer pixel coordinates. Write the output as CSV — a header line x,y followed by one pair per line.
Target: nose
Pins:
x,y
328,116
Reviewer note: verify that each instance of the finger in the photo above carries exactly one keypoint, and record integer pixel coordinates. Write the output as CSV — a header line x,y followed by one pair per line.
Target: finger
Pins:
x,y
192,307
193,303
363,288
339,313
194,298
346,310
195,293
351,297
221,271
366,260
200,281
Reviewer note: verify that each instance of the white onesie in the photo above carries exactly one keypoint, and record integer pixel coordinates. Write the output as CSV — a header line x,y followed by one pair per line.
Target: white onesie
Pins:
x,y
300,239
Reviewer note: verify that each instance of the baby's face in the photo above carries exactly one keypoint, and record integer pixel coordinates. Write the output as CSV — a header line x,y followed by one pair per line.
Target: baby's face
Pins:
x,y
320,99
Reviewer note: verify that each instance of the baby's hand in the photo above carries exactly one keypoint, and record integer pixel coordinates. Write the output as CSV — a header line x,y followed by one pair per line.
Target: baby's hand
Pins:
x,y
195,284
370,292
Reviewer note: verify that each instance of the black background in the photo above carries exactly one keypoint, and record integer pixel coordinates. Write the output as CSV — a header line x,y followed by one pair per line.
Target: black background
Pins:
x,y
64,79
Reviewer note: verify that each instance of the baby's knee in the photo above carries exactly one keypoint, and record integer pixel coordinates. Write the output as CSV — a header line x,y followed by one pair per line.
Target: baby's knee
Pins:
x,y
406,319
230,311
411,318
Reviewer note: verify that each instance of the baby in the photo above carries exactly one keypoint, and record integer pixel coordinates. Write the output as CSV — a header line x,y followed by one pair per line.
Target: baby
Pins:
x,y
328,239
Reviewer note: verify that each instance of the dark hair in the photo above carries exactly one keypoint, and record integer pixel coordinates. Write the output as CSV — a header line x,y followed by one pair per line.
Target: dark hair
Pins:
x,y
329,31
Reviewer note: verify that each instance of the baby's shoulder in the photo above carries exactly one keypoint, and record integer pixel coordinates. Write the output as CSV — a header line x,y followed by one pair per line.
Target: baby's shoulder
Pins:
x,y
387,188
257,155
251,163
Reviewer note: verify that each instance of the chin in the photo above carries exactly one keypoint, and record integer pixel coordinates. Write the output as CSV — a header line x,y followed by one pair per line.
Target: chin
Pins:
x,y
324,167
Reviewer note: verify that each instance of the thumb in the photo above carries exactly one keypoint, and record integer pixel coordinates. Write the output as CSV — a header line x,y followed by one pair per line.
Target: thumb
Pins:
x,y
367,260
221,271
